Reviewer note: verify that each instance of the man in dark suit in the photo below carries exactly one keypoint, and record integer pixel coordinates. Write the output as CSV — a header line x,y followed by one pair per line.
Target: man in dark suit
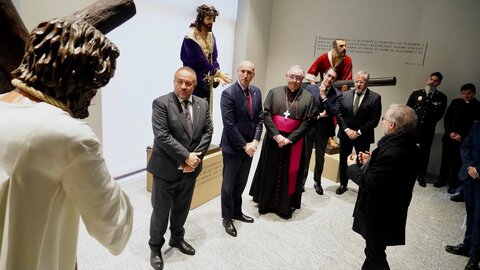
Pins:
x,y
358,115
458,120
385,181
430,105
242,116
183,130
326,98
469,174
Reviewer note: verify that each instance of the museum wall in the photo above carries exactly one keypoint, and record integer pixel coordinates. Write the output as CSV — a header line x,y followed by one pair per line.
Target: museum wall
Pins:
x,y
150,54
149,46
406,39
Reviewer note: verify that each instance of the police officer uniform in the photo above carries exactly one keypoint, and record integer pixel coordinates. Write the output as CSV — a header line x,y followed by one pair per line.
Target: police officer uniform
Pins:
x,y
430,108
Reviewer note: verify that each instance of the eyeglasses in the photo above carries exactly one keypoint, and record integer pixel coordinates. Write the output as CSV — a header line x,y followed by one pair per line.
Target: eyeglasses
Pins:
x,y
383,118
295,78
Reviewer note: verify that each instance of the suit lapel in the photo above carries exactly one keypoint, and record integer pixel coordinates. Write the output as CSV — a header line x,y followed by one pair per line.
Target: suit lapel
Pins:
x,y
364,100
177,108
349,100
316,95
240,95
196,114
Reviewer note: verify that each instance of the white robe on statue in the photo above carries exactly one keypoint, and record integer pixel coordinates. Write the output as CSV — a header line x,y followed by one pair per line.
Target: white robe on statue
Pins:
x,y
52,172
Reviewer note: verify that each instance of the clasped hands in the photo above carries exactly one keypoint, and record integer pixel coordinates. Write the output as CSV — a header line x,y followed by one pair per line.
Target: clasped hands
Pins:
x,y
251,147
455,136
352,134
191,162
473,172
281,140
362,158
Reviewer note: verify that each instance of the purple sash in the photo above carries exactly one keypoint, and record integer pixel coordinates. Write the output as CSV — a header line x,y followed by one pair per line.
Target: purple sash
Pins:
x,y
288,125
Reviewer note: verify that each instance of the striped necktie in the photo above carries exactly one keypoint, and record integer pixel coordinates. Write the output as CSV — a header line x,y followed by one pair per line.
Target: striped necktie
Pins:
x,y
188,117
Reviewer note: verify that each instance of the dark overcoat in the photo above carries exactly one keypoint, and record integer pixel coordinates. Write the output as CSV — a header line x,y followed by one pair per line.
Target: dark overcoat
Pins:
x,y
385,190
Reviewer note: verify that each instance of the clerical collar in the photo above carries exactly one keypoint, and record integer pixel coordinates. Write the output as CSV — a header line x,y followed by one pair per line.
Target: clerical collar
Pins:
x,y
292,95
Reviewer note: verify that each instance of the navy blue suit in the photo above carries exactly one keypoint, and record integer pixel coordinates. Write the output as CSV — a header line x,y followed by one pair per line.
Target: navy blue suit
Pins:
x,y
321,129
239,128
470,153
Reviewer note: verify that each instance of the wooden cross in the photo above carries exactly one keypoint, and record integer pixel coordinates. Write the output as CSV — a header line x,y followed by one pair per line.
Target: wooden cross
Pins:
x,y
105,15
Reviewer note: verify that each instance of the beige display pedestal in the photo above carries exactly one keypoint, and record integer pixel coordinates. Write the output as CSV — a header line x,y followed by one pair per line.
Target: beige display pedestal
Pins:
x,y
330,167
209,182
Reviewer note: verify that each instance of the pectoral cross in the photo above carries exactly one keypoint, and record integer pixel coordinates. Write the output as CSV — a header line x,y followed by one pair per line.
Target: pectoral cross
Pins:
x,y
105,15
286,114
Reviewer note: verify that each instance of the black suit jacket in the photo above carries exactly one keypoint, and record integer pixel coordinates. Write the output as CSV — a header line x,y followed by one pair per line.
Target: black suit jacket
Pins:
x,y
428,113
366,119
470,152
460,117
385,190
325,125
239,126
172,143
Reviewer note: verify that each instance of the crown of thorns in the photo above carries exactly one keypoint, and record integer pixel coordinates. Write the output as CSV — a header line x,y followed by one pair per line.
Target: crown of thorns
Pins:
x,y
205,10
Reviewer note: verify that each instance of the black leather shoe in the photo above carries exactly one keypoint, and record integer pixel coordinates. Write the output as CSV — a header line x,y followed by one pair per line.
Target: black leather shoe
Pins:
x,y
421,182
318,188
183,246
229,227
439,184
452,190
156,260
457,250
243,217
458,198
341,189
472,265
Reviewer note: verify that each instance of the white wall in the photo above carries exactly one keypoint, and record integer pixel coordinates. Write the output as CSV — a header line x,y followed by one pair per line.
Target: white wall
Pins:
x,y
149,55
252,37
274,34
449,27
149,46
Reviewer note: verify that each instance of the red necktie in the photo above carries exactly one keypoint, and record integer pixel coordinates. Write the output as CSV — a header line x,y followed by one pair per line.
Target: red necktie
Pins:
x,y
249,99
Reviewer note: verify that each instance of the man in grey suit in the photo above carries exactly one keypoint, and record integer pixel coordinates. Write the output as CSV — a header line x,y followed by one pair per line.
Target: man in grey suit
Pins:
x,y
183,130
359,113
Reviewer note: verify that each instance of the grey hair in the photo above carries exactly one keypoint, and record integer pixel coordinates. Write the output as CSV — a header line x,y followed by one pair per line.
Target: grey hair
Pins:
x,y
296,67
189,69
404,117
363,73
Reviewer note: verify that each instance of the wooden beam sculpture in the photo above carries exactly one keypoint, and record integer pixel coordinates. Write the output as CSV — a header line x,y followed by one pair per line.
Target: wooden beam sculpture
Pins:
x,y
13,35
380,81
105,15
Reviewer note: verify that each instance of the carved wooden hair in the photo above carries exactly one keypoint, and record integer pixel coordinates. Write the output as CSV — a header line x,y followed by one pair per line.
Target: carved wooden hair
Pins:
x,y
68,59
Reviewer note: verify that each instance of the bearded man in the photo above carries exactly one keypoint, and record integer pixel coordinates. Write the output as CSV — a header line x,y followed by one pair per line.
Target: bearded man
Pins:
x,y
336,58
199,52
